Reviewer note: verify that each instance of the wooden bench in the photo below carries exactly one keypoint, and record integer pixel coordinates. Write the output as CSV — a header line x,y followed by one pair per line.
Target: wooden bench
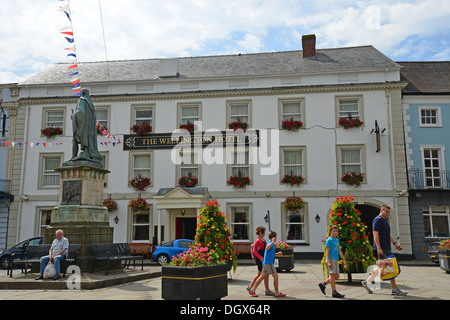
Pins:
x,y
34,253
107,252
141,248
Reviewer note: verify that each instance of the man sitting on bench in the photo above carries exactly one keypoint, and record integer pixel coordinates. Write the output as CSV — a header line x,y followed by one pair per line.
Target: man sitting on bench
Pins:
x,y
57,253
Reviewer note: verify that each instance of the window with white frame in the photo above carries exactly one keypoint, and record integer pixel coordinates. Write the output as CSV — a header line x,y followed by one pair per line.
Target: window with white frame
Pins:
x,y
295,225
49,177
349,107
351,159
436,221
430,116
432,165
240,222
54,118
102,117
45,218
239,111
142,165
239,162
189,165
189,113
143,114
291,109
140,226
292,160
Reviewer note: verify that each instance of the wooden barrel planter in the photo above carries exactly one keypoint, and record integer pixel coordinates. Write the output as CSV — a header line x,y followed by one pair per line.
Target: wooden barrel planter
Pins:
x,y
194,283
444,259
285,260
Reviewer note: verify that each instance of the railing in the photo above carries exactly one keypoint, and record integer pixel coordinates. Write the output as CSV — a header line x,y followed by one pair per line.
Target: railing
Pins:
x,y
5,186
429,179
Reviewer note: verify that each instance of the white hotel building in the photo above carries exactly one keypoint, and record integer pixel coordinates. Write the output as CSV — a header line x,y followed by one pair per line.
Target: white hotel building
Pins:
x,y
262,89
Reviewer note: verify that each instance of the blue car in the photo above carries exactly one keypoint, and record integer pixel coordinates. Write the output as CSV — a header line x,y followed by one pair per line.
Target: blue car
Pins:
x,y
164,253
19,248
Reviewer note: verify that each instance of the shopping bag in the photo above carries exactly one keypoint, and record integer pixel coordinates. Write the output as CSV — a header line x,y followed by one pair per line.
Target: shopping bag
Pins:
x,y
389,268
50,270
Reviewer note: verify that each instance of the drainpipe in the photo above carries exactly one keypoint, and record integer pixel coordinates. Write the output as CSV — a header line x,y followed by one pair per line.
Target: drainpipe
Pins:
x,y
22,178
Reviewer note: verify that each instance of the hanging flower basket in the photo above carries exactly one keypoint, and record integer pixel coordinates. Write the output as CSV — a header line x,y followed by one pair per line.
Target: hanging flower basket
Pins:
x,y
188,181
292,179
348,123
50,132
139,183
291,125
190,127
110,204
235,125
352,178
293,203
138,204
142,129
238,181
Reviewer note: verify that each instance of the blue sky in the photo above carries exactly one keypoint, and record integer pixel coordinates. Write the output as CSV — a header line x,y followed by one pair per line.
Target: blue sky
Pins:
x,y
405,30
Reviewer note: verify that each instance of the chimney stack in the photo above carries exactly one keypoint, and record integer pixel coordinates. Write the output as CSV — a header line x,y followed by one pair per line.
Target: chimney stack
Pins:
x,y
309,46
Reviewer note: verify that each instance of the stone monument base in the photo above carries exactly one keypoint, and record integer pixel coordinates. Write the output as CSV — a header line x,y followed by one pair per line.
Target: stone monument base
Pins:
x,y
82,225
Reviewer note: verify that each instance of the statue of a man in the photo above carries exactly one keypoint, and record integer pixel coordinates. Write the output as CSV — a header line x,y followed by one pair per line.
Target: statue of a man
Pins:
x,y
84,122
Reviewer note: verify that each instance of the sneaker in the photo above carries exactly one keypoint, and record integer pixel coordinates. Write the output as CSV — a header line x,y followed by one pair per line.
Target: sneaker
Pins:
x,y
398,292
39,278
322,287
366,286
270,293
336,294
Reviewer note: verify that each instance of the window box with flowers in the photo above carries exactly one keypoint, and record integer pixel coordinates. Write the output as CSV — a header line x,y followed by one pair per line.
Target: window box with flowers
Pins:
x,y
139,183
444,255
50,132
291,124
142,129
352,178
110,204
293,203
190,127
138,204
239,181
292,179
188,181
286,259
235,125
350,122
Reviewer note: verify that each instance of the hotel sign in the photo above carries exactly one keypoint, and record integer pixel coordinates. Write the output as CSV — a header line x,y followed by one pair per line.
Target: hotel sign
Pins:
x,y
217,139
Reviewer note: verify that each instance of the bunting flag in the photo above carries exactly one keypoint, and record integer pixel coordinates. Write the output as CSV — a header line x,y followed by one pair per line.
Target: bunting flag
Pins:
x,y
15,144
67,32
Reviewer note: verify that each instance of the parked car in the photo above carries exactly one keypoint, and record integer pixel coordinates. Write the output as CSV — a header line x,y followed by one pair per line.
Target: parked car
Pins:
x,y
19,248
164,253
433,253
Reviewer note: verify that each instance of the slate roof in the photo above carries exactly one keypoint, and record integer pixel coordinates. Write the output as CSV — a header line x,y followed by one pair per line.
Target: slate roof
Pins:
x,y
426,77
351,59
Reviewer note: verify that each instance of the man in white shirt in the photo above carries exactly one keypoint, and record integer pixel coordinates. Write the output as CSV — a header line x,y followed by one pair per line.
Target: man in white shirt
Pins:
x,y
57,253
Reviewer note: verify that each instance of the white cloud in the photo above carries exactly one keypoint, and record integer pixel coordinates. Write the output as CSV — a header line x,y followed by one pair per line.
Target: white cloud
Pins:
x,y
168,28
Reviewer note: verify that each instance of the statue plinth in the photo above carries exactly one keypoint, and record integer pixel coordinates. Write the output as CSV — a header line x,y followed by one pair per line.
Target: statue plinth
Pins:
x,y
81,214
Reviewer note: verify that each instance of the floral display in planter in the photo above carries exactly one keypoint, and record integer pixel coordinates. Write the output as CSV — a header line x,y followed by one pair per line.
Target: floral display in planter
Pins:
x,y
353,178
293,203
50,132
196,257
142,129
110,204
190,127
352,236
350,122
281,245
286,259
239,181
292,179
188,181
235,125
139,183
213,232
444,255
138,204
291,124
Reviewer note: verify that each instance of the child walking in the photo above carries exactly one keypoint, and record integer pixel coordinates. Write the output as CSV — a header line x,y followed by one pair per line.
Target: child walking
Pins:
x,y
269,267
333,248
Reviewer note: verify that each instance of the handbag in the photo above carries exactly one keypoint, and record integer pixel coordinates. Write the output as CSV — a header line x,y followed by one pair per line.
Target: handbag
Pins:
x,y
50,270
389,268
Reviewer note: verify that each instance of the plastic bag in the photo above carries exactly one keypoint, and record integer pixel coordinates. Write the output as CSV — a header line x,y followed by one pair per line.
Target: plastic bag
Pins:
x,y
50,270
389,268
